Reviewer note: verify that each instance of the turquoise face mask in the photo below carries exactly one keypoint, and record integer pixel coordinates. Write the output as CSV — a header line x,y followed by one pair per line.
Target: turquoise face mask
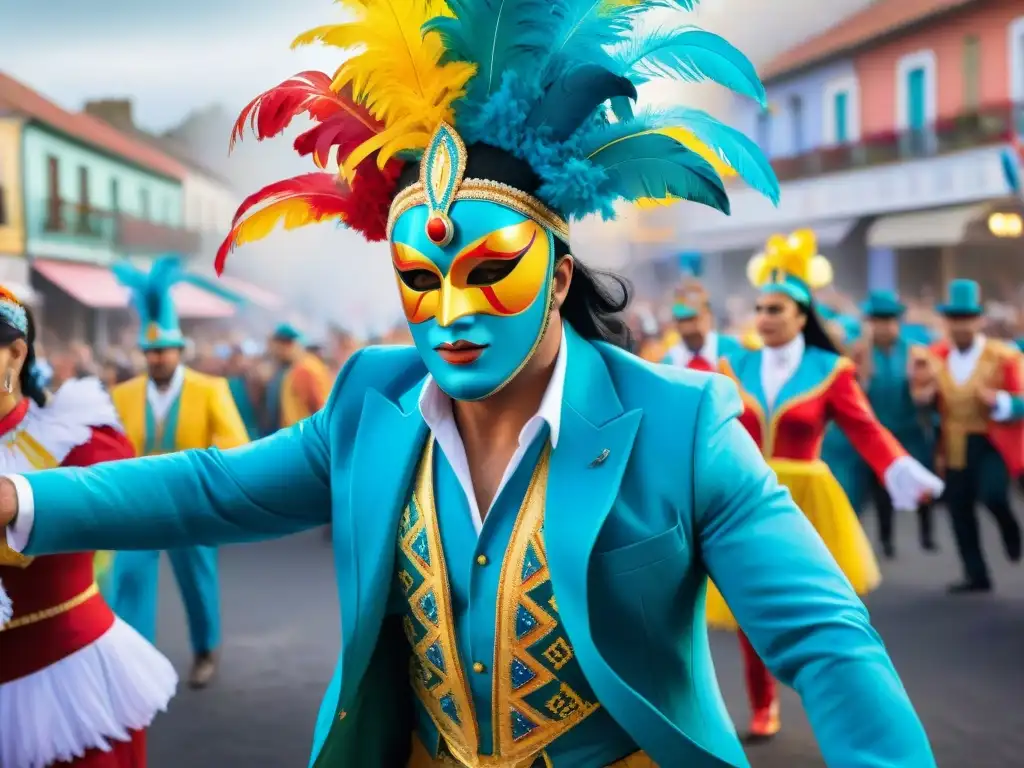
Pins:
x,y
478,306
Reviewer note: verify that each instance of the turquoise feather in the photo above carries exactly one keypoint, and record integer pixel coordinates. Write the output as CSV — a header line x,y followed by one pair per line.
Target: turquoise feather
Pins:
x,y
688,54
569,102
738,151
496,35
150,289
733,146
656,166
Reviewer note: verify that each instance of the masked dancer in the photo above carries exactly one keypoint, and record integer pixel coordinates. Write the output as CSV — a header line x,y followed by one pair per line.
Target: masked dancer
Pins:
x,y
78,686
975,383
792,389
171,408
522,509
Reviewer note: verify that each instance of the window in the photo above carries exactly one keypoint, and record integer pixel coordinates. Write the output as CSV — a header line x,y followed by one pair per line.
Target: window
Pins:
x,y
841,107
916,103
764,131
3,196
842,111
972,73
83,199
53,202
144,204
796,115
1017,60
1017,72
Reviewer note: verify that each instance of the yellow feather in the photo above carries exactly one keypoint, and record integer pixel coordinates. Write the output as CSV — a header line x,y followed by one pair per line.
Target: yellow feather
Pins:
x,y
291,213
692,143
397,72
795,255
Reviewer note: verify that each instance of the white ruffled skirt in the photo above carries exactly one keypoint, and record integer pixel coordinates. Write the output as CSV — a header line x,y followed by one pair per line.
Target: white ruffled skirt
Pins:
x,y
88,699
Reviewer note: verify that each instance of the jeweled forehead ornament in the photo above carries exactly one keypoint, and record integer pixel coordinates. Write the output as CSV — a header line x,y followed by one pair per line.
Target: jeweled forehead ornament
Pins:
x,y
442,182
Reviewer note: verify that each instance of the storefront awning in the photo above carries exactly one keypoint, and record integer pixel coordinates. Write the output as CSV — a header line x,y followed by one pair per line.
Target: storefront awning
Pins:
x,y
829,233
97,288
925,229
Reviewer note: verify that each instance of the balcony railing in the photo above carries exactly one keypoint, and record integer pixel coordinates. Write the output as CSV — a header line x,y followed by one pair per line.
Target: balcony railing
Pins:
x,y
74,220
117,231
988,125
139,236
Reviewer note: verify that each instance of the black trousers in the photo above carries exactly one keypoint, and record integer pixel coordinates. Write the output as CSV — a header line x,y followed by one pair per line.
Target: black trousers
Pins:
x,y
884,509
986,481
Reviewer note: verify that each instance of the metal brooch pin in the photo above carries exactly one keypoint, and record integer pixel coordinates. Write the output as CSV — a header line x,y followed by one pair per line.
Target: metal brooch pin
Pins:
x,y
600,459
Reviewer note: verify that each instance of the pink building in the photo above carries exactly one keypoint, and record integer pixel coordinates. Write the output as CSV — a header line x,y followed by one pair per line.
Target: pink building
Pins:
x,y
966,60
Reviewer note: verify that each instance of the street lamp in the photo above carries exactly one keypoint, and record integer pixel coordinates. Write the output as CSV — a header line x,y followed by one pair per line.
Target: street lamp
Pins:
x,y
1006,225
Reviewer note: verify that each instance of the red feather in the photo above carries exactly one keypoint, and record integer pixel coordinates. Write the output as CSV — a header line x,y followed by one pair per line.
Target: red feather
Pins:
x,y
307,92
316,197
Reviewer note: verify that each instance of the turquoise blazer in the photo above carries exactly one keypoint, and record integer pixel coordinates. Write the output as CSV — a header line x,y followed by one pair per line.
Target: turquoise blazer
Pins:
x,y
683,493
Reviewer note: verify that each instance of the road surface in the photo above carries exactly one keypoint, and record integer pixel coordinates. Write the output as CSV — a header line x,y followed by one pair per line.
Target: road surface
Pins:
x,y
960,658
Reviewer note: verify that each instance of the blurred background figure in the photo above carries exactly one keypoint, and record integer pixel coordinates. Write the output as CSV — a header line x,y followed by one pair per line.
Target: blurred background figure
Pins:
x,y
300,385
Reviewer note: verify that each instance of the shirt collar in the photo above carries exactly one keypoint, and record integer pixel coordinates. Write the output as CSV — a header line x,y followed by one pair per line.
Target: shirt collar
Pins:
x,y
974,349
175,385
789,354
436,407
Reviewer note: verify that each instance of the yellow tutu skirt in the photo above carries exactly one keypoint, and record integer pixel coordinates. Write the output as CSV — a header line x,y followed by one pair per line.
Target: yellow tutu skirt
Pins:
x,y
822,499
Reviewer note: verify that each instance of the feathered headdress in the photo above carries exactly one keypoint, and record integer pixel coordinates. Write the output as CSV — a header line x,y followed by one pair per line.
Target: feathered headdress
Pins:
x,y
151,299
791,265
470,84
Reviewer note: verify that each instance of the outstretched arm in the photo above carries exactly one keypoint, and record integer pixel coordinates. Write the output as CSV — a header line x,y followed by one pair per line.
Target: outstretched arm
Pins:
x,y
794,604
272,487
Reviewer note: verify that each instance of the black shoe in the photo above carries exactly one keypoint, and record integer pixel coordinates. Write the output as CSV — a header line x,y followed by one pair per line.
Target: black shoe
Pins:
x,y
969,587
1010,532
888,550
929,546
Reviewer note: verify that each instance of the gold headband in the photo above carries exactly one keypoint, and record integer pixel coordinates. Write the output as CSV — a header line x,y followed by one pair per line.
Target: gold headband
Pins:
x,y
442,183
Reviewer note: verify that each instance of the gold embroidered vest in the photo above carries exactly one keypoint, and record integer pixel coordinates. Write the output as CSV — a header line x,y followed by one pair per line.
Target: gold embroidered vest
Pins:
x,y
963,414
533,703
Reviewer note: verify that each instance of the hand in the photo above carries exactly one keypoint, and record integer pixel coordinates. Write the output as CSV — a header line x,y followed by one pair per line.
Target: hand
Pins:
x,y
8,502
987,396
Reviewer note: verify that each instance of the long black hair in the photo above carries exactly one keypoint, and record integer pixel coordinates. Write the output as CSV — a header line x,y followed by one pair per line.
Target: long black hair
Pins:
x,y
596,298
815,334
31,385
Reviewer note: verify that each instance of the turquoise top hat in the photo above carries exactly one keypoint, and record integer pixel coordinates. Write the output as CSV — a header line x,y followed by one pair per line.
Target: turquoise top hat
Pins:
x,y
683,311
963,299
883,304
151,299
287,332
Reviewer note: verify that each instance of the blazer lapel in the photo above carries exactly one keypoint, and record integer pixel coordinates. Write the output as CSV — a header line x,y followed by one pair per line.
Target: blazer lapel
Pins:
x,y
749,375
587,466
388,443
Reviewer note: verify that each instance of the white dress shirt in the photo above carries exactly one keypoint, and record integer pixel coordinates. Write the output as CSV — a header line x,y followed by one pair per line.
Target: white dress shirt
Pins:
x,y
436,408
961,366
778,364
681,355
161,400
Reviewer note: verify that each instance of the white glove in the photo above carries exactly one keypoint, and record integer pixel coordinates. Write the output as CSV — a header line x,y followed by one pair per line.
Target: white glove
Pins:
x,y
6,607
908,483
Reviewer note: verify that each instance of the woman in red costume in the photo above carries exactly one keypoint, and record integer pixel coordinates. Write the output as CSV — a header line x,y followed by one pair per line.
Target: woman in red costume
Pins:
x,y
792,389
78,686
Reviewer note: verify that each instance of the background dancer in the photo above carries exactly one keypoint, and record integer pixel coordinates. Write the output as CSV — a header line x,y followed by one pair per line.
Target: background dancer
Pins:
x,y
78,686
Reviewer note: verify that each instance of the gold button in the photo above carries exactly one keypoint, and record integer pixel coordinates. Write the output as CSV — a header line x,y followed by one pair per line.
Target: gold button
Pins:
x,y
481,559
342,714
479,668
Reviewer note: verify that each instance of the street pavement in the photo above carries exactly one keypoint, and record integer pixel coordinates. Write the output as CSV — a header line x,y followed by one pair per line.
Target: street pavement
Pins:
x,y
959,657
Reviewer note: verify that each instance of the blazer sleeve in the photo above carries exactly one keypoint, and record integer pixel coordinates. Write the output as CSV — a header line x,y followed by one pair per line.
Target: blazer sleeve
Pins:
x,y
848,406
272,487
791,600
227,430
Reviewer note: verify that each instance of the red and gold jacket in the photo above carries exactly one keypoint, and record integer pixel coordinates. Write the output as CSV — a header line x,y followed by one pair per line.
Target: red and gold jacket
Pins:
x,y
57,607
961,409
823,388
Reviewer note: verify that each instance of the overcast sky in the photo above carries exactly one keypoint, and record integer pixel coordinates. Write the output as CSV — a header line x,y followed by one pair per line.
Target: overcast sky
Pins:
x,y
172,57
